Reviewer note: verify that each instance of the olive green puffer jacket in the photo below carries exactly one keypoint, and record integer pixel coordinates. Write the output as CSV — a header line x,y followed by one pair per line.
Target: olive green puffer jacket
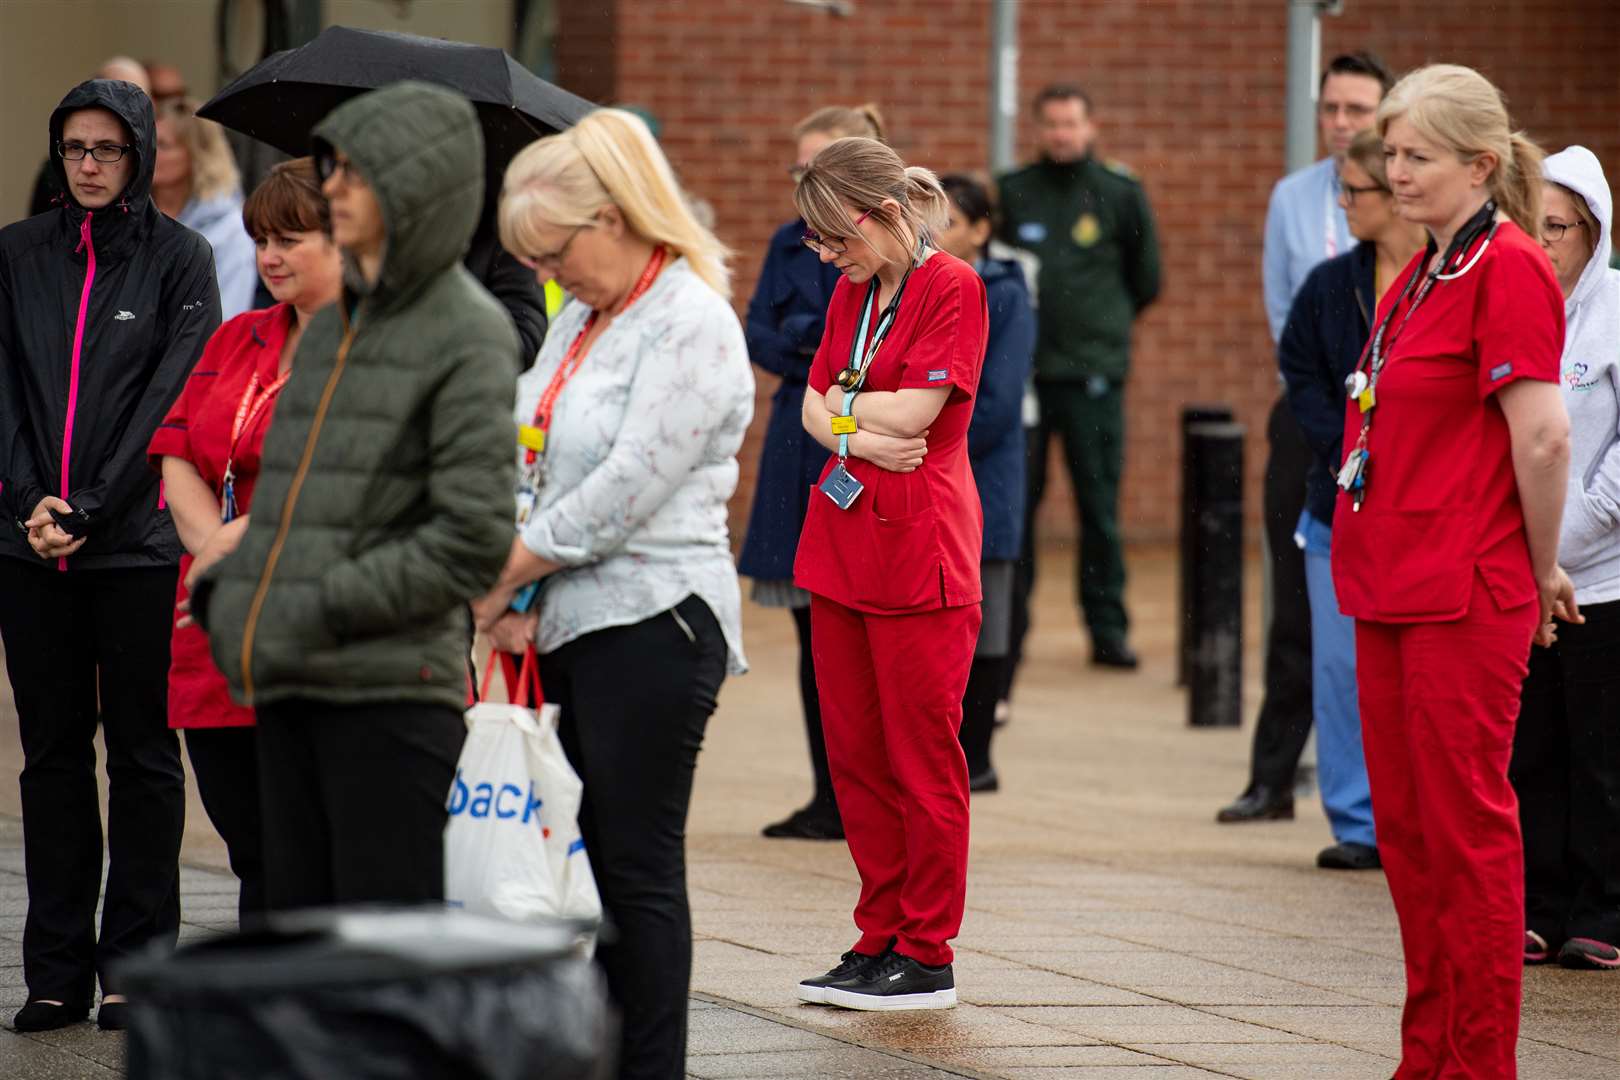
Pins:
x,y
384,502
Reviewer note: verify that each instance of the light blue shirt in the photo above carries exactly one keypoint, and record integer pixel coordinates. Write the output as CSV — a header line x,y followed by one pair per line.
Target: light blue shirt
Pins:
x,y
236,260
1304,226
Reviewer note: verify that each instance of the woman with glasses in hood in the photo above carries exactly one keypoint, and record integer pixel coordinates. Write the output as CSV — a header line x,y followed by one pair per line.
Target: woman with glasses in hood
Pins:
x,y
105,305
1566,750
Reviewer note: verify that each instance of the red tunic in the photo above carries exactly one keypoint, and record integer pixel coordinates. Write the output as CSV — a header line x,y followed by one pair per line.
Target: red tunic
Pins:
x,y
911,541
1442,501
198,429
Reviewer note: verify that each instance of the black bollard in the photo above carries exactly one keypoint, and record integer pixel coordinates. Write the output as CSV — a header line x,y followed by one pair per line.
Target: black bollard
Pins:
x,y
1190,415
1215,639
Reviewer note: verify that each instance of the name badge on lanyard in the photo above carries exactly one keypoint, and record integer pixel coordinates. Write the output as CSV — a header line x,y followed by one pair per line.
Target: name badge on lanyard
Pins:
x,y
248,410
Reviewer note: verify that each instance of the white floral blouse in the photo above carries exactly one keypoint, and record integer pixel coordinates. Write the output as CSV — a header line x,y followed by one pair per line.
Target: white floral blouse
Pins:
x,y
641,461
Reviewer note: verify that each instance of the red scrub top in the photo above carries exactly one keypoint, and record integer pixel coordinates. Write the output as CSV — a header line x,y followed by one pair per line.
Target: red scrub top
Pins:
x,y
911,541
1442,502
198,429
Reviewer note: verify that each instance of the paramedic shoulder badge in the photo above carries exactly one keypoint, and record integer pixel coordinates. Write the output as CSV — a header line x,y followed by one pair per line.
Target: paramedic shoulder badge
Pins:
x,y
1086,230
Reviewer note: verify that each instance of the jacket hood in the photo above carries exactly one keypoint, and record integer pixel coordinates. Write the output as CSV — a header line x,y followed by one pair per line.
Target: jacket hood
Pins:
x,y
993,269
131,105
421,150
1578,169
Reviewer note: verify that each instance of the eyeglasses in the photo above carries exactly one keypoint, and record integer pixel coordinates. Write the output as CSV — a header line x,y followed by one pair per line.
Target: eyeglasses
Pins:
x,y
552,259
833,245
106,153
1351,191
1553,231
328,165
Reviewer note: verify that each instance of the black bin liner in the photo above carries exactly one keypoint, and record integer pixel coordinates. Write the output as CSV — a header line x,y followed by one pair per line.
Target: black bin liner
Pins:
x,y
420,994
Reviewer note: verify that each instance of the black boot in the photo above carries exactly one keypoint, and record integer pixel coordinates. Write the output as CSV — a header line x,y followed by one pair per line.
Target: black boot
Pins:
x,y
1258,803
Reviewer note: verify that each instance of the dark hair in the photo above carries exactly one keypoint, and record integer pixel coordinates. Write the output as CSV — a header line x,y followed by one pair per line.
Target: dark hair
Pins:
x,y
971,198
289,200
1062,92
1361,62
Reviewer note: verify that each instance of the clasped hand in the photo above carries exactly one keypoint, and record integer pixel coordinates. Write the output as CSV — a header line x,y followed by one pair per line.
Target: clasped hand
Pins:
x,y
48,539
889,452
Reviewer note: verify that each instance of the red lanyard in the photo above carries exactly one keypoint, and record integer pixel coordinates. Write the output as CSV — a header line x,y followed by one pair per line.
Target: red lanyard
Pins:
x,y
575,356
248,410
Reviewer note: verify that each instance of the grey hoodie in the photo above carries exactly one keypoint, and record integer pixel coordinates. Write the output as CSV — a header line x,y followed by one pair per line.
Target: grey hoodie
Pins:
x,y
1589,547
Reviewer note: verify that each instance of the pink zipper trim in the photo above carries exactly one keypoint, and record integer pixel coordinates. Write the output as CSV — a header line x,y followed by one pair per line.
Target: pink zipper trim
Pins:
x,y
86,245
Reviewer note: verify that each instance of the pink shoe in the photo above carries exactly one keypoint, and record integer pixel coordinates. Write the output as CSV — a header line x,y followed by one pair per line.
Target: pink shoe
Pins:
x,y
1536,950
1587,953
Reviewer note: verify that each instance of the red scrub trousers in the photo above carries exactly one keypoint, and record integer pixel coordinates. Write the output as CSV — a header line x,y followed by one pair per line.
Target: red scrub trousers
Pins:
x,y
891,699
1438,706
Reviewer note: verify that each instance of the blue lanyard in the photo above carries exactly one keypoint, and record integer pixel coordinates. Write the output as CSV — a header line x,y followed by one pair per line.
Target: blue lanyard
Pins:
x,y
859,364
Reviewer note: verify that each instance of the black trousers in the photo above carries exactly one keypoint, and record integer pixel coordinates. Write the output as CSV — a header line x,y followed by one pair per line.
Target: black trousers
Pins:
x,y
1091,426
226,764
823,799
1023,570
635,702
74,641
1284,723
354,801
1566,770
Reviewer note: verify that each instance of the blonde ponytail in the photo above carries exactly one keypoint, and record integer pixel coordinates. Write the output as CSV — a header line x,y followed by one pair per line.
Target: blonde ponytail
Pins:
x,y
1517,185
841,121
927,197
608,158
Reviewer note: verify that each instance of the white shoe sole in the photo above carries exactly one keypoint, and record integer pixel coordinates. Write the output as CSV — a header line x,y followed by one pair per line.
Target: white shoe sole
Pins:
x,y
812,995
937,999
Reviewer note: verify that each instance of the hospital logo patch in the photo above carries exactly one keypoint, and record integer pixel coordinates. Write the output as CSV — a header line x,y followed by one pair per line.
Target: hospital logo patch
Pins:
x,y
938,375
1501,371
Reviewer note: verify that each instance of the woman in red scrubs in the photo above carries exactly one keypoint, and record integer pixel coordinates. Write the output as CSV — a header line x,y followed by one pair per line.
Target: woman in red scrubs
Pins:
x,y
1445,546
890,556
208,451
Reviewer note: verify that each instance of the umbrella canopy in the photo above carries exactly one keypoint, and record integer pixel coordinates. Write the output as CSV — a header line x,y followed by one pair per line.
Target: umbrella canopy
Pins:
x,y
281,98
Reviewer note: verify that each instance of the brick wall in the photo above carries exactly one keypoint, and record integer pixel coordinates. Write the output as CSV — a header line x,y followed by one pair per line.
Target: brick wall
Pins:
x,y
1189,93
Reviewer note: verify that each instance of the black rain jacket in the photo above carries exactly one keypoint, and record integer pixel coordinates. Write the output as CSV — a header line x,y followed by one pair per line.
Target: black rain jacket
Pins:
x,y
102,315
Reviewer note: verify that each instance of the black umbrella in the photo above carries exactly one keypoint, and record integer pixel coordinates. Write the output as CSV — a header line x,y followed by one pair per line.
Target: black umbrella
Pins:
x,y
281,98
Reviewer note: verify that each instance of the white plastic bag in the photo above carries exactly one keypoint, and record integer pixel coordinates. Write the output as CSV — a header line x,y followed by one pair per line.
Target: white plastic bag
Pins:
x,y
512,847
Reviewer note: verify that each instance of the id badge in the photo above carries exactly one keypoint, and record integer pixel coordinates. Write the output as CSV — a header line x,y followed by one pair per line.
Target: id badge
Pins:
x,y
841,487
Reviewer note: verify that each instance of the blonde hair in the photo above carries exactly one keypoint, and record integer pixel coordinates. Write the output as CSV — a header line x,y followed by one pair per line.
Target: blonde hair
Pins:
x,y
213,165
608,158
1367,151
842,121
863,173
1461,110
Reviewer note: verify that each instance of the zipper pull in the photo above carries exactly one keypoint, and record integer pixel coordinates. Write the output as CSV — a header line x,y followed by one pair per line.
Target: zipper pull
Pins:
x,y
84,231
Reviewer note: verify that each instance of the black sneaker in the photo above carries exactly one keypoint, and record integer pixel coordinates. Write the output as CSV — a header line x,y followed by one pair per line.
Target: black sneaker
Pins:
x,y
896,982
814,990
